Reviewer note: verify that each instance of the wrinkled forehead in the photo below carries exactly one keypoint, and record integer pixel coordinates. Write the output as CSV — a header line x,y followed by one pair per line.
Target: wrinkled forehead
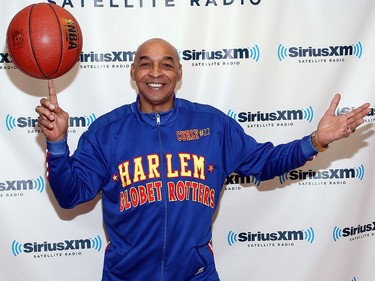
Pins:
x,y
158,51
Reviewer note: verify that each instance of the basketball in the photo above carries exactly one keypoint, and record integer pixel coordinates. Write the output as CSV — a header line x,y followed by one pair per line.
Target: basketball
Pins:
x,y
44,41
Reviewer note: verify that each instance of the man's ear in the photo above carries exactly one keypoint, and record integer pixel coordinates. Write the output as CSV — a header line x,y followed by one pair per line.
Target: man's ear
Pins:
x,y
132,71
179,73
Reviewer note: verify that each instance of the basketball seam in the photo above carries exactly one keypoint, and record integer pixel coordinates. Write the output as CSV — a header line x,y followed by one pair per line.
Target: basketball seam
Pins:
x,y
31,44
61,42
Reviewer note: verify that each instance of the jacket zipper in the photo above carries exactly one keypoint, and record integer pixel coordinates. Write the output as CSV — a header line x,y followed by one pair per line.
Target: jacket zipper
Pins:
x,y
158,122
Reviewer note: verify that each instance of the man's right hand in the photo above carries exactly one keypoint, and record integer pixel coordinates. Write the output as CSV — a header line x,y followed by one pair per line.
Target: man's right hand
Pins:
x,y
52,120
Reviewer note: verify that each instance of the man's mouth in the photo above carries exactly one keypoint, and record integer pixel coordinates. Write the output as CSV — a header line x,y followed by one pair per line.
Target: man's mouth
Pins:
x,y
155,85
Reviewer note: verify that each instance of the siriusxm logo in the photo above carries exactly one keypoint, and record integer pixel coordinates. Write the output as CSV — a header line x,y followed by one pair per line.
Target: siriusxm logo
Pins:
x,y
280,235
330,174
362,230
345,110
37,184
237,179
313,52
66,245
113,56
12,122
279,115
222,54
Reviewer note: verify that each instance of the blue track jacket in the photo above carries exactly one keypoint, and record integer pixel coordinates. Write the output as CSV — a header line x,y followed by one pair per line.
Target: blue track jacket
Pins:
x,y
161,175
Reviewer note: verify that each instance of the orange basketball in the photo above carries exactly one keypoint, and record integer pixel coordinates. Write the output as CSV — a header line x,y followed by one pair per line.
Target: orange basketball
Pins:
x,y
44,40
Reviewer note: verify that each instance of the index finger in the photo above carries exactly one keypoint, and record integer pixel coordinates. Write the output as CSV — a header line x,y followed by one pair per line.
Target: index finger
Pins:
x,y
52,92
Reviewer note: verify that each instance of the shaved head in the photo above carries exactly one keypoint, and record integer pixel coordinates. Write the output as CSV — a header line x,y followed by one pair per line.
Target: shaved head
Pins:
x,y
157,42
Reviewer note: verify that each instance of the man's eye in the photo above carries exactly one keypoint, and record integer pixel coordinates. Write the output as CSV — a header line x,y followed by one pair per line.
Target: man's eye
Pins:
x,y
166,65
145,64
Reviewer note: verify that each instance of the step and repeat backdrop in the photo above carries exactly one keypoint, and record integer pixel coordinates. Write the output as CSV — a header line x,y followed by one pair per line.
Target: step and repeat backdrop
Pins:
x,y
274,67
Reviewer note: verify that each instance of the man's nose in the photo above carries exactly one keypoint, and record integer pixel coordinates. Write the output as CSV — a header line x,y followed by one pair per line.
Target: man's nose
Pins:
x,y
156,71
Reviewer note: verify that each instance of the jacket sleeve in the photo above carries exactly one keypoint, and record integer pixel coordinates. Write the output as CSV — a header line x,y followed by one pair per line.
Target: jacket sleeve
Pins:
x,y
73,179
245,156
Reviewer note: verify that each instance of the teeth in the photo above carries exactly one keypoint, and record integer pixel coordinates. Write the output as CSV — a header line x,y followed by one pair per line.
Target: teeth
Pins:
x,y
155,85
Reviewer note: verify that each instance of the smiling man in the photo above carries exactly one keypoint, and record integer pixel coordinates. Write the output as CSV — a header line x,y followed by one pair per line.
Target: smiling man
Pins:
x,y
160,164
156,74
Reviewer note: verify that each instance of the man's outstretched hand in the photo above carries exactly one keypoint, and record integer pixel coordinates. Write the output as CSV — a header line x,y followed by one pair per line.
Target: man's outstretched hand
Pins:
x,y
333,127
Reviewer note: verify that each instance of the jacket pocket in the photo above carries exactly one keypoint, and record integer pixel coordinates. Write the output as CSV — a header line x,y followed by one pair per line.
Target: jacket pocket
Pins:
x,y
204,259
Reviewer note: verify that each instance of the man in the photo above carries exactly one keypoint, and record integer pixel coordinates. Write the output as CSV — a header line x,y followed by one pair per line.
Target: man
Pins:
x,y
160,164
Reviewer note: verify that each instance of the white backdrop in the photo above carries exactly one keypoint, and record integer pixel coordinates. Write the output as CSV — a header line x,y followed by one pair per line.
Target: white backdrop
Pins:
x,y
281,63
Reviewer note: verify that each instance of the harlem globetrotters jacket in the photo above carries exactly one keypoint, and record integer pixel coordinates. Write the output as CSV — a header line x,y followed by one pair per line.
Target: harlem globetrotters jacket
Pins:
x,y
161,175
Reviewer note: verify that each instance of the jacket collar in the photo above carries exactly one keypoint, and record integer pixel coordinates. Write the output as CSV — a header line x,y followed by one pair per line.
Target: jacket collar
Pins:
x,y
152,119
